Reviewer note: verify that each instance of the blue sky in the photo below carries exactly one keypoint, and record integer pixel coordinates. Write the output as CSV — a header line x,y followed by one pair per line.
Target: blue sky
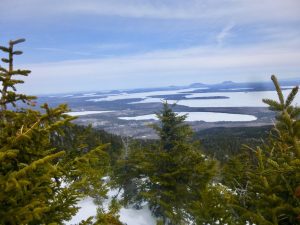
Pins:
x,y
85,45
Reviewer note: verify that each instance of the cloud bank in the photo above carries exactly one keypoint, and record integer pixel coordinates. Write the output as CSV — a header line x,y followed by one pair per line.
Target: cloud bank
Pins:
x,y
98,44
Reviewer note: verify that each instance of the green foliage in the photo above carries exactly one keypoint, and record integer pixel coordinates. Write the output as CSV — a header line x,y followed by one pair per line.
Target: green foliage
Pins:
x,y
111,217
223,143
170,174
171,130
269,177
75,139
212,207
127,172
8,90
40,184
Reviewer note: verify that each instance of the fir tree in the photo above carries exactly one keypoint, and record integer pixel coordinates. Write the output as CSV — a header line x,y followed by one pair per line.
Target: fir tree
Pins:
x,y
271,181
38,184
7,75
174,172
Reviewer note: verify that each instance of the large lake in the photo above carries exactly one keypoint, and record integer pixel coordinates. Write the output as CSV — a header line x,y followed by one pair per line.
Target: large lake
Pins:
x,y
201,116
238,97
234,99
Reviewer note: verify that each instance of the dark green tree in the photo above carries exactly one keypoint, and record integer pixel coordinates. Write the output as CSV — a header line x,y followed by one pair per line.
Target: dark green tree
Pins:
x,y
174,171
127,173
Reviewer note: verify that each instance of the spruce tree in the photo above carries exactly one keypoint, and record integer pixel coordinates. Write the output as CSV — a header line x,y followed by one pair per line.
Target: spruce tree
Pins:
x,y
272,178
174,171
38,184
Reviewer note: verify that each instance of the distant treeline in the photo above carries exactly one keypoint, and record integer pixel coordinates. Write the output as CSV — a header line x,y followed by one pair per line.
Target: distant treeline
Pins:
x,y
223,142
220,142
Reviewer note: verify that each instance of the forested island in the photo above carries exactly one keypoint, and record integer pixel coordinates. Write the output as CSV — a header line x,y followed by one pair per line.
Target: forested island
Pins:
x,y
235,176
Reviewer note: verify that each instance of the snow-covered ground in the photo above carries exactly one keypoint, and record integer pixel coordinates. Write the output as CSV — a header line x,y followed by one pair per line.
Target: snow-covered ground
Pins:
x,y
137,217
88,208
201,116
129,216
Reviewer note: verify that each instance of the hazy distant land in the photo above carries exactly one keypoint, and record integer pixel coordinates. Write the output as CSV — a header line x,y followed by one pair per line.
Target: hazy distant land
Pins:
x,y
128,112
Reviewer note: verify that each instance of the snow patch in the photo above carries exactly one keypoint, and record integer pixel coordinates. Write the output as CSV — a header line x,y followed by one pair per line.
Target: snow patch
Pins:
x,y
201,116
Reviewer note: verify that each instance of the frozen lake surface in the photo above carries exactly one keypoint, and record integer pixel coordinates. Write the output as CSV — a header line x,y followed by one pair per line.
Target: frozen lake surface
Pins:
x,y
141,94
83,113
232,97
235,99
201,116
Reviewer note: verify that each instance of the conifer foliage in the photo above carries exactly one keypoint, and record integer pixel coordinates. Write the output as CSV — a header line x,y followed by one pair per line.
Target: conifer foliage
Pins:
x,y
174,171
38,184
271,179
8,90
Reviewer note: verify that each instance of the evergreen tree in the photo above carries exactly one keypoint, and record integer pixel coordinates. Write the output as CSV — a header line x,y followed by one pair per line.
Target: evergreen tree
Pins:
x,y
127,172
174,172
8,89
212,206
38,184
270,182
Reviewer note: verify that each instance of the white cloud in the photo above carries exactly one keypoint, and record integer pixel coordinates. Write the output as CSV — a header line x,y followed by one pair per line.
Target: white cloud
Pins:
x,y
231,10
161,66
265,38
224,33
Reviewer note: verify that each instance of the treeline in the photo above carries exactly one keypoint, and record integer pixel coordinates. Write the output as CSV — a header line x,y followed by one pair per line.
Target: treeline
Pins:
x,y
225,142
47,164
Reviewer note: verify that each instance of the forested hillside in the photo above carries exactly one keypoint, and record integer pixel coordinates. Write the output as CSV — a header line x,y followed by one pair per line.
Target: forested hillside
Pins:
x,y
224,142
217,176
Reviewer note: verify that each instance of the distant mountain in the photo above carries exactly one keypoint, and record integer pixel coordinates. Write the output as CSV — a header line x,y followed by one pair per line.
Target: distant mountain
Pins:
x,y
228,82
254,85
197,85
